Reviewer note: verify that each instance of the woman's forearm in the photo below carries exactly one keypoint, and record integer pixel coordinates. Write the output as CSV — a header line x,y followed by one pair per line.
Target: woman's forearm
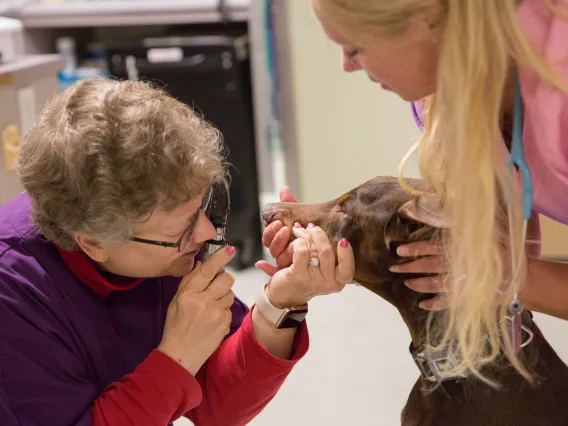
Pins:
x,y
546,289
279,342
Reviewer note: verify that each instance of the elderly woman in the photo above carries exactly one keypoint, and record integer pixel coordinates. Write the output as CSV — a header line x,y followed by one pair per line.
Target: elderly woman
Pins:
x,y
106,317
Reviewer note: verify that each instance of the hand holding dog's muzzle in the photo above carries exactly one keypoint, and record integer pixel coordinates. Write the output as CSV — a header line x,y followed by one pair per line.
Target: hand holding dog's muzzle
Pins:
x,y
276,237
305,278
430,260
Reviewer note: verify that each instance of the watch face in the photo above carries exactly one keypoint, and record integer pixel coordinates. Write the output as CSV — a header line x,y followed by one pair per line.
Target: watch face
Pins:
x,y
293,318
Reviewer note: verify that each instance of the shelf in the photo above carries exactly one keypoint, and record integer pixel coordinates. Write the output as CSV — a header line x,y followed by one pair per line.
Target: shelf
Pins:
x,y
100,13
26,67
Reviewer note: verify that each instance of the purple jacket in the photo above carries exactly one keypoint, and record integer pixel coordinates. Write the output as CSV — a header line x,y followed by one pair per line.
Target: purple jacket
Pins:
x,y
58,351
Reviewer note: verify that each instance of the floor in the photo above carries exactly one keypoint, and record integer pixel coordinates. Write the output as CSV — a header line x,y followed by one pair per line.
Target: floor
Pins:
x,y
358,371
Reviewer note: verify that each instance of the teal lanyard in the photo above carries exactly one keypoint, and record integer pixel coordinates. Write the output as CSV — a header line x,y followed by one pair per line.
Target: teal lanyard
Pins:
x,y
517,155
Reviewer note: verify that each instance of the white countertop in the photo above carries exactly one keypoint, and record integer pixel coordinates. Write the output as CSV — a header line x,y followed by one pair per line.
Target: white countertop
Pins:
x,y
126,12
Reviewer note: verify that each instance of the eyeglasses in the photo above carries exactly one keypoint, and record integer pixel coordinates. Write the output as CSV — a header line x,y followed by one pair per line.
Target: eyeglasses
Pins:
x,y
183,241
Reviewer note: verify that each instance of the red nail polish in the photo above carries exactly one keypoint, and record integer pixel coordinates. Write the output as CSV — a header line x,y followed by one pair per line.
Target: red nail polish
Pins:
x,y
230,250
344,243
311,225
297,225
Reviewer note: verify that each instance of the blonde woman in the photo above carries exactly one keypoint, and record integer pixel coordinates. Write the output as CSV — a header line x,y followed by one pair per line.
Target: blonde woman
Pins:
x,y
457,61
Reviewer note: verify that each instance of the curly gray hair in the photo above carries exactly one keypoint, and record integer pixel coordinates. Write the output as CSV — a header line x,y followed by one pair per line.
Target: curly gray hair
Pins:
x,y
105,154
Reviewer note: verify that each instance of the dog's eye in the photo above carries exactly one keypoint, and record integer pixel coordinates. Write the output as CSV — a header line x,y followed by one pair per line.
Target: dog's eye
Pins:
x,y
367,198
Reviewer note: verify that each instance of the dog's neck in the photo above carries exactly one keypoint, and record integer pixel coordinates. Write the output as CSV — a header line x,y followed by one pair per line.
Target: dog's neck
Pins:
x,y
425,327
405,300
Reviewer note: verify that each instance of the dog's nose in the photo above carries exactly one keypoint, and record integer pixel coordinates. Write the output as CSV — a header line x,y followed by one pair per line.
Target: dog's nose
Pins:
x,y
268,213
274,211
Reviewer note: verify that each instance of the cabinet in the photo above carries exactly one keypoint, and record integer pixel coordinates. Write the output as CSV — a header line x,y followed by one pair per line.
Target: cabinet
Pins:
x,y
25,85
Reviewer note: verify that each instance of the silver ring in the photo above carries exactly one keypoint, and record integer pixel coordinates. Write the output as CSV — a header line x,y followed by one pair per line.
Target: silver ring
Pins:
x,y
314,261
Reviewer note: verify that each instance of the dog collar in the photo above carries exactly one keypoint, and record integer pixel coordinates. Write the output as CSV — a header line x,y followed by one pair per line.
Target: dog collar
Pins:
x,y
437,365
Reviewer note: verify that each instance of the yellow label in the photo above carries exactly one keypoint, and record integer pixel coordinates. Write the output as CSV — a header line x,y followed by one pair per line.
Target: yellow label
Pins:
x,y
11,139
6,79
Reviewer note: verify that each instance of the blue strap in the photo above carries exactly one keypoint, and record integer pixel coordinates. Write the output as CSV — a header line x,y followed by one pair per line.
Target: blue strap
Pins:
x,y
517,156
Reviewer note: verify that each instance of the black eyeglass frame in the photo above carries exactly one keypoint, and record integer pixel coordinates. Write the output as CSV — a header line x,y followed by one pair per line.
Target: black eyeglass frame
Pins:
x,y
204,206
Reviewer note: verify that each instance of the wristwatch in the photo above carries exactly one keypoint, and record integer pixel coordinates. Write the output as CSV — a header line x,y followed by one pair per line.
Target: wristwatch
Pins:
x,y
281,318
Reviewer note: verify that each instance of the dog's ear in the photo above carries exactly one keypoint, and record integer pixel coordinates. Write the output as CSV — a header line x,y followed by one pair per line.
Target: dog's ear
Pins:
x,y
425,209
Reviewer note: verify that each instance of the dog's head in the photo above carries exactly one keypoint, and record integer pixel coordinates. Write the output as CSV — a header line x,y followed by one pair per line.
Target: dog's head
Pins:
x,y
375,217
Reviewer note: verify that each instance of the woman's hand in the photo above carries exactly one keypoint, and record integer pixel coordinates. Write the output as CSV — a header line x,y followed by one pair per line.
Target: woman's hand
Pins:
x,y
199,316
300,282
276,237
431,261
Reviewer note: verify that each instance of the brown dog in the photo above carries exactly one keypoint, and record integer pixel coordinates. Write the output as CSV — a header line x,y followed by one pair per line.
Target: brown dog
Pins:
x,y
376,217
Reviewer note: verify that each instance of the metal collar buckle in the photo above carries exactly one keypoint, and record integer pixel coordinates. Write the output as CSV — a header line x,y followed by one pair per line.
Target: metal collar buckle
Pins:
x,y
435,366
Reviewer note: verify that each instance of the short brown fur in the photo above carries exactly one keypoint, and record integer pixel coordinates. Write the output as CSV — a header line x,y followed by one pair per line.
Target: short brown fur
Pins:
x,y
376,217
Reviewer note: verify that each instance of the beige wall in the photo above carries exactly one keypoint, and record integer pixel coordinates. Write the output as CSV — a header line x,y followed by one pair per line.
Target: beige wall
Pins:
x,y
554,239
346,128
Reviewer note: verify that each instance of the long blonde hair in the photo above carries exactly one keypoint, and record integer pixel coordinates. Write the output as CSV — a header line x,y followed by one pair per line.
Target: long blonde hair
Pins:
x,y
460,157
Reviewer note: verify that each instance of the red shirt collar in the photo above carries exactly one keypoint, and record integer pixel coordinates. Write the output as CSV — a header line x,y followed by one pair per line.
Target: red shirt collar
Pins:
x,y
84,269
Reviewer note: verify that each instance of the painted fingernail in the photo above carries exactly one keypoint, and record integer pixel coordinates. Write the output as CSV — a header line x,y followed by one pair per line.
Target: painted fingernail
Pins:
x,y
230,250
297,225
344,243
311,225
